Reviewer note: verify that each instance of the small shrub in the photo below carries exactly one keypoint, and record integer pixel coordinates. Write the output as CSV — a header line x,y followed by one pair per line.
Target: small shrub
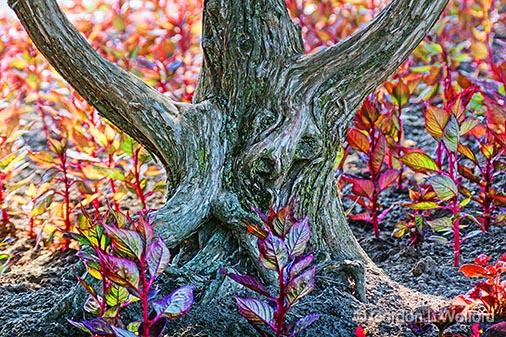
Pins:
x,y
368,139
126,258
282,242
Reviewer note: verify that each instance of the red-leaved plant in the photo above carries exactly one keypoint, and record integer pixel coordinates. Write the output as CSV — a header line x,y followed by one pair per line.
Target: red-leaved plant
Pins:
x,y
12,161
369,140
282,243
126,258
421,198
487,164
491,293
447,126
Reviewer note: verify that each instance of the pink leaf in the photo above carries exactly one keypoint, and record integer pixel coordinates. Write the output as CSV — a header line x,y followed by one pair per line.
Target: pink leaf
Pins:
x,y
387,178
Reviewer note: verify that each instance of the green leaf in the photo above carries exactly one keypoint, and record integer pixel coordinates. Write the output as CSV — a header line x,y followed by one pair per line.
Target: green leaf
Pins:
x,y
116,295
440,224
42,203
126,243
444,187
433,48
452,134
96,172
122,332
436,120
419,162
424,205
127,145
468,125
400,230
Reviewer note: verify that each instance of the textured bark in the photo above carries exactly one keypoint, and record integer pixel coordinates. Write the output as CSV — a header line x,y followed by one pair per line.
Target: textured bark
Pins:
x,y
266,122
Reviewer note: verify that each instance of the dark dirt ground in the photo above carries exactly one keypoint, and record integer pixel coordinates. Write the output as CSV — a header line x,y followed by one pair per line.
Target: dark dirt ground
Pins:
x,y
40,287
398,260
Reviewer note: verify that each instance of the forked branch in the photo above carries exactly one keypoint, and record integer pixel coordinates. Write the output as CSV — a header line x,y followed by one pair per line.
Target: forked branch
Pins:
x,y
355,67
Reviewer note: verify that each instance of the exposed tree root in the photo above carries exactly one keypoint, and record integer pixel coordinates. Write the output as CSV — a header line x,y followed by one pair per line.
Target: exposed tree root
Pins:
x,y
37,298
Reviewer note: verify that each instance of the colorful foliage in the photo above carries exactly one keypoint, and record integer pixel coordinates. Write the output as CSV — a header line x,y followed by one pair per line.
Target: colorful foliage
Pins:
x,y
282,243
126,258
368,139
491,293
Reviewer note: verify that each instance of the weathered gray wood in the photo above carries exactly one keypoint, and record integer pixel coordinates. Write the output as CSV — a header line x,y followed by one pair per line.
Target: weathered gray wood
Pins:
x,y
266,122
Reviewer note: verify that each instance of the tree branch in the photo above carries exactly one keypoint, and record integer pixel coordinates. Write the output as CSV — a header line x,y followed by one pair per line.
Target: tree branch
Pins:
x,y
125,100
355,67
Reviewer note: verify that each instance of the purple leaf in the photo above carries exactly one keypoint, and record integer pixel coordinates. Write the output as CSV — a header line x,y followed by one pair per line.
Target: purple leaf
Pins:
x,y
303,323
385,212
496,330
158,257
120,271
299,265
123,333
153,292
451,134
261,214
126,243
298,237
300,286
419,328
255,311
176,304
249,282
273,252
97,326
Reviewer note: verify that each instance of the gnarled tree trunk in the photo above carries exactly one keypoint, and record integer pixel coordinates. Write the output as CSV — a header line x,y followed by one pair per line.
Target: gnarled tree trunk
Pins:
x,y
265,125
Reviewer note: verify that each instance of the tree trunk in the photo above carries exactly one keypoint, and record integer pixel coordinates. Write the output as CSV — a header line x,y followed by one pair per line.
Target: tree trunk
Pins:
x,y
265,125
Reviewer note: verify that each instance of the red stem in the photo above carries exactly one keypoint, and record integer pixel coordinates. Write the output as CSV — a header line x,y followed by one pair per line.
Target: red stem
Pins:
x,y
45,128
456,239
455,208
487,201
400,136
5,214
144,293
280,315
439,154
374,179
104,288
31,233
112,183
